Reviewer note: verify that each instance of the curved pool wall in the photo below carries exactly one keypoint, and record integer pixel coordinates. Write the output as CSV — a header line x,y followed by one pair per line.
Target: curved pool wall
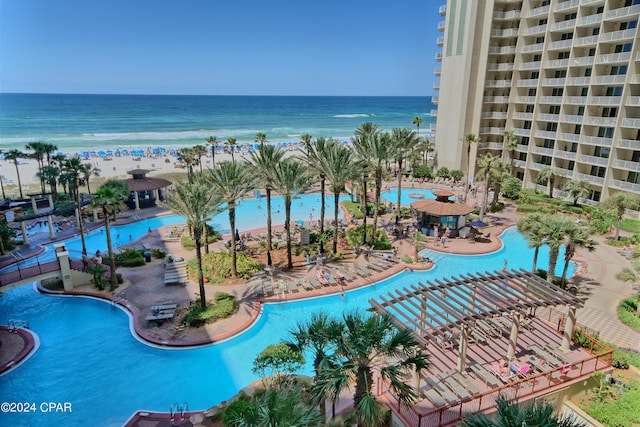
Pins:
x,y
89,358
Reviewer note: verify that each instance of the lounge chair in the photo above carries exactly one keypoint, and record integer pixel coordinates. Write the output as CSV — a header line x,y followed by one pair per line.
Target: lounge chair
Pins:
x,y
347,275
361,271
433,397
465,381
305,284
485,375
488,329
315,283
454,386
443,391
501,373
548,357
293,286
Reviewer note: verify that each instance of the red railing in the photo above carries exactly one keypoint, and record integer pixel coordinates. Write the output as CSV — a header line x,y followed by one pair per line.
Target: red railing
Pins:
x,y
28,272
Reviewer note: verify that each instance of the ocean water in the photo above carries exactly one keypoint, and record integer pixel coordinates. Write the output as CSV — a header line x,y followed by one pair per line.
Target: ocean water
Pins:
x,y
83,122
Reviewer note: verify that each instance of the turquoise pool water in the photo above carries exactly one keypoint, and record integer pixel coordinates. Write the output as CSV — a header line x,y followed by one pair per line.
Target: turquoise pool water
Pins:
x,y
391,195
89,358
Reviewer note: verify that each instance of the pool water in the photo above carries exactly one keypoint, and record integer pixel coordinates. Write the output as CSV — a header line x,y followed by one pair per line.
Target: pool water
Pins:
x,y
89,358
391,195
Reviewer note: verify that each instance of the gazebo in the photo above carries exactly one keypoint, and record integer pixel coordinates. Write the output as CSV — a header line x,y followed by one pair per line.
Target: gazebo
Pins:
x,y
440,212
144,191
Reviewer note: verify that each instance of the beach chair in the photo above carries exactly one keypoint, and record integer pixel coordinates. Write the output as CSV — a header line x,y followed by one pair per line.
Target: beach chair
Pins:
x,y
484,375
433,397
501,373
314,282
465,381
454,385
306,285
292,286
487,328
361,271
347,275
543,354
443,391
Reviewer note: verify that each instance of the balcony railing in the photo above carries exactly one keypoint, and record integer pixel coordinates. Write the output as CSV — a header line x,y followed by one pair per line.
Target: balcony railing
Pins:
x,y
536,30
611,58
577,81
571,118
560,44
604,100
632,144
557,63
542,151
441,26
625,12
434,100
566,155
522,132
589,20
497,83
627,165
528,82
519,163
602,121
523,116
491,145
538,11
559,81
526,99
596,140
550,99
605,80
633,101
581,100
437,71
434,113
492,130
589,178
440,41
442,10
624,185
502,50
495,99
512,14
547,117
439,56
573,137
585,41
498,115
592,160
582,61
566,5
631,123
507,32
563,25
505,66
536,47
549,134
618,36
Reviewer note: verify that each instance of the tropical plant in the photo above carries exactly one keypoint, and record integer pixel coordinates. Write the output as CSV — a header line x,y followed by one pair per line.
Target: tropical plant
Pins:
x,y
577,237
14,156
196,202
514,414
199,151
231,180
187,158
264,162
363,345
549,174
40,150
74,168
230,143
499,171
618,204
278,362
109,200
417,121
315,154
213,142
577,188
290,177
532,230
468,139
510,145
556,230
403,140
485,165
89,171
49,174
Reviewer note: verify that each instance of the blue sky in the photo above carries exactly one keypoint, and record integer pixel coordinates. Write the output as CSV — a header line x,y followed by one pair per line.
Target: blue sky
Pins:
x,y
219,47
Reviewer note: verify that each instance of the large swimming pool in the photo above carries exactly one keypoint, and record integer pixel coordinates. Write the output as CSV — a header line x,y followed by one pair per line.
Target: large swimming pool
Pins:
x,y
89,358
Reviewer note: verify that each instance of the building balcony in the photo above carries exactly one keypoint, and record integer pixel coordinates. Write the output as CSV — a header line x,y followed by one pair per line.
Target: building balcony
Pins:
x,y
589,20
519,163
439,56
502,50
532,48
538,29
582,61
495,99
440,41
633,101
557,63
604,100
522,116
560,44
566,5
538,11
522,148
554,82
623,12
542,151
537,166
492,131
601,121
547,117
434,100
528,82
624,186
438,71
434,113
510,15
585,41
497,115
565,155
572,137
635,78
607,80
526,99
563,25
613,58
618,36
436,85
507,32
550,99
592,160
631,123
577,81
580,100
441,26
589,178
522,132
532,65
627,165
632,144
505,66
548,134
572,118
596,140
497,83
442,10
491,145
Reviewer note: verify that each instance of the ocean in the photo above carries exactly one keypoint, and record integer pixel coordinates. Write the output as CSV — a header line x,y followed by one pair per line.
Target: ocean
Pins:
x,y
84,122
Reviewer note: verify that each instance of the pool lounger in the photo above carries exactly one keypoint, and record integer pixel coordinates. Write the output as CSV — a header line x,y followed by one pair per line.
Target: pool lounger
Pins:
x,y
443,391
483,374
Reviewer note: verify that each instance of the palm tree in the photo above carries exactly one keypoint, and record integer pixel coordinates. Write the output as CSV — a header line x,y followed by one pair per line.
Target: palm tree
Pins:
x,y
403,140
38,154
499,171
264,161
509,136
619,203
306,139
198,152
108,198
469,138
231,144
196,202
337,166
577,188
549,174
231,180
187,157
555,230
514,414
88,172
531,228
374,148
213,142
4,196
577,237
14,155
261,138
74,168
49,174
315,154
417,121
290,177
368,344
485,166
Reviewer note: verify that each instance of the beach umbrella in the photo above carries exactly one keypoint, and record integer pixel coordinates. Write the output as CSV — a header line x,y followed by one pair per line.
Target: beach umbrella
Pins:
x,y
269,261
478,224
101,153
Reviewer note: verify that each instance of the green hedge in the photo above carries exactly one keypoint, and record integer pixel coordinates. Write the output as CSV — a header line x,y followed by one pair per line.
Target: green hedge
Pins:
x,y
217,265
224,306
130,258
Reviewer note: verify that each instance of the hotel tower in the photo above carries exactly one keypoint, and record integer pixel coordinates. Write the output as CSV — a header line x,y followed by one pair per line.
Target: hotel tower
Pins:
x,y
562,75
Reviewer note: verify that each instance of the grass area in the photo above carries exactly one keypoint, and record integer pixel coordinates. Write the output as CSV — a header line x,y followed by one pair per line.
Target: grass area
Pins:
x,y
627,312
630,225
613,407
224,306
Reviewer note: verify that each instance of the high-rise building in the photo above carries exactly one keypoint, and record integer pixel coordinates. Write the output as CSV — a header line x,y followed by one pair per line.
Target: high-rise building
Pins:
x,y
560,78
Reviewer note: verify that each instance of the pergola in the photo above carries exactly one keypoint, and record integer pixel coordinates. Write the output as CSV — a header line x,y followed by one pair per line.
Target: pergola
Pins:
x,y
144,190
440,308
441,212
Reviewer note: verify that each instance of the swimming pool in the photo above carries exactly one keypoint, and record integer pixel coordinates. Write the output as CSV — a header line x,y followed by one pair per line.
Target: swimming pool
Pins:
x,y
391,195
89,358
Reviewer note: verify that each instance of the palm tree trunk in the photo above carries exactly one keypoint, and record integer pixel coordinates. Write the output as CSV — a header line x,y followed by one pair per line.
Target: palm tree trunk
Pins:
x,y
485,197
363,206
553,260
287,228
322,203
112,258
375,212
4,196
203,298
15,163
535,259
565,270
80,222
205,233
336,200
2,250
466,184
364,380
232,224
399,187
269,219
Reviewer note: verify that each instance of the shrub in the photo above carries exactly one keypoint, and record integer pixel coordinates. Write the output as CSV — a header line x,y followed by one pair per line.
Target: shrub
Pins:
x,y
218,265
526,208
510,187
224,306
158,253
187,243
620,359
456,174
354,237
131,257
626,312
443,172
407,259
423,171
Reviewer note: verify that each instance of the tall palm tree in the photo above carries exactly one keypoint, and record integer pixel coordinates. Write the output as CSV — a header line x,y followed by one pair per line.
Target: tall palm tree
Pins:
x,y
577,188
375,149
13,156
49,174
187,157
231,180
368,344
199,151
499,171
38,154
555,231
532,229
88,172
417,121
577,237
315,155
213,142
485,166
306,139
549,174
469,138
403,140
74,168
108,199
196,202
261,138
514,414
4,196
230,143
619,203
264,162
337,166
508,136
290,177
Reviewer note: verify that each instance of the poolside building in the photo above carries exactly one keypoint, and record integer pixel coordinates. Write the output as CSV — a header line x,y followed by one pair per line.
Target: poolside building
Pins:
x,y
562,75
143,190
441,212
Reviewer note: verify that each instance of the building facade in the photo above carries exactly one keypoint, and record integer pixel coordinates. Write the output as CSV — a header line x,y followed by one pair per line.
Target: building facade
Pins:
x,y
560,78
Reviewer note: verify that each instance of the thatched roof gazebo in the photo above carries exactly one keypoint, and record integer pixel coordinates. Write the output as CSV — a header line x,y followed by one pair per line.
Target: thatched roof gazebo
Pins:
x,y
144,191
440,212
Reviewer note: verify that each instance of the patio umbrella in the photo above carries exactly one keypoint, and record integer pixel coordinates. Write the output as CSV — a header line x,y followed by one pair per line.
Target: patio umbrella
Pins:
x,y
269,261
478,224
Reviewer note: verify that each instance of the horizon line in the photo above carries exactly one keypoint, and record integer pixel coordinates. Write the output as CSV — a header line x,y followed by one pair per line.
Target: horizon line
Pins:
x,y
190,94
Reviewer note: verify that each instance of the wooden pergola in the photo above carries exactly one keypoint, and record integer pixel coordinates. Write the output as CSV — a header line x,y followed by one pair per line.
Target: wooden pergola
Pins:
x,y
440,307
